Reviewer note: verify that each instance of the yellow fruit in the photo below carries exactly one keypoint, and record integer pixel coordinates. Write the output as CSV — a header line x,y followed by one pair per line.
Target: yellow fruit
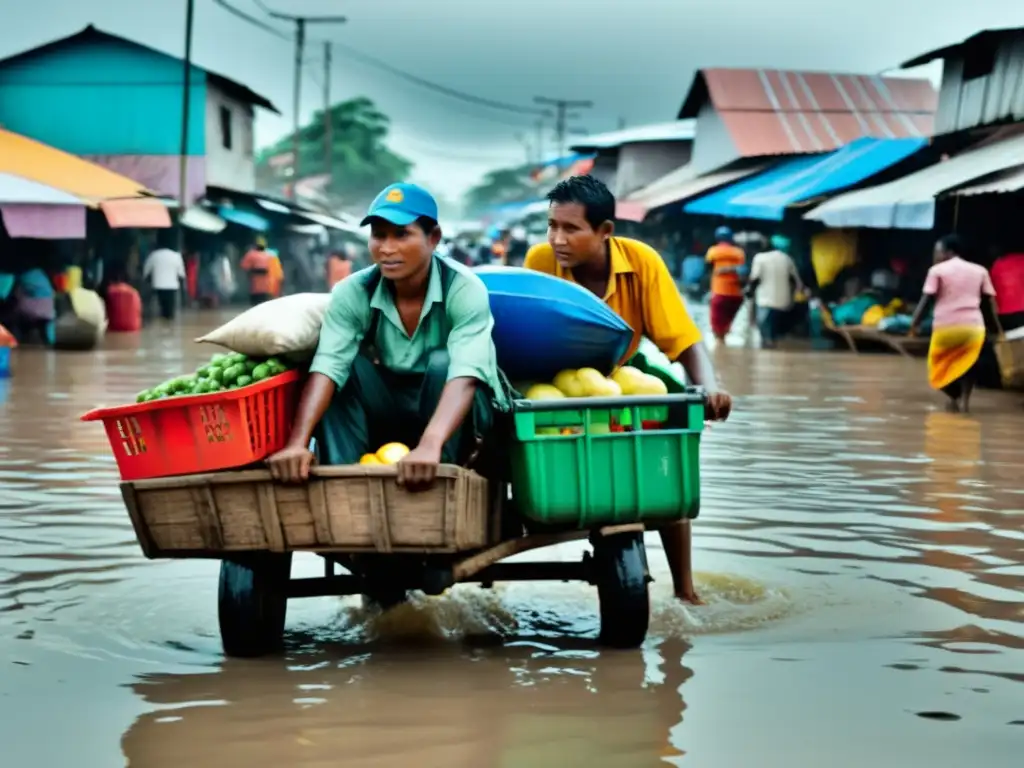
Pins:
x,y
391,453
569,384
628,378
607,388
544,392
649,385
369,458
592,382
600,429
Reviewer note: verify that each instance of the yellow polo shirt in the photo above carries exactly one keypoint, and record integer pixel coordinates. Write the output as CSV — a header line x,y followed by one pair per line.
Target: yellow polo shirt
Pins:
x,y
640,290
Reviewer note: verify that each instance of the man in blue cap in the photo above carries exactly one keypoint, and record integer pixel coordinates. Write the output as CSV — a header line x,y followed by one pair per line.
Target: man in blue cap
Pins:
x,y
405,354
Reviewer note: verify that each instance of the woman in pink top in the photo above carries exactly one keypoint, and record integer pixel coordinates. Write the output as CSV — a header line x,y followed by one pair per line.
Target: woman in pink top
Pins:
x,y
962,295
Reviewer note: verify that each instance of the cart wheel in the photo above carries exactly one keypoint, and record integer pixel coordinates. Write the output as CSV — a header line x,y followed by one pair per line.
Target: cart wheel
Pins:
x,y
252,603
620,572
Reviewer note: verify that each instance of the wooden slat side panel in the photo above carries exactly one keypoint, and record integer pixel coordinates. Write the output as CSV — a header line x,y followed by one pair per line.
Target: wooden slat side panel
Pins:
x,y
270,516
354,509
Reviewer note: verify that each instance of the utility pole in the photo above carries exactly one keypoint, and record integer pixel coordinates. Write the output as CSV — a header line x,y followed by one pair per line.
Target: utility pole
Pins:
x,y
562,106
300,46
328,127
540,141
186,98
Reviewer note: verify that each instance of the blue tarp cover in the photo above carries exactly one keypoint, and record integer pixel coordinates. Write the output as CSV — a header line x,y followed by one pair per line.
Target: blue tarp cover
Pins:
x,y
244,218
543,324
768,194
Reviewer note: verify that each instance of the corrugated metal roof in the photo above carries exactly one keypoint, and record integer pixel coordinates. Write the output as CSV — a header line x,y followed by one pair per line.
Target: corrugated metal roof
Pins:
x,y
1002,183
767,195
677,130
909,202
986,38
677,186
776,112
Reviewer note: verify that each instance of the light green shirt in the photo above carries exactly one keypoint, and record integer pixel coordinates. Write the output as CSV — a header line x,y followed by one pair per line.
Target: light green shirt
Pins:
x,y
461,323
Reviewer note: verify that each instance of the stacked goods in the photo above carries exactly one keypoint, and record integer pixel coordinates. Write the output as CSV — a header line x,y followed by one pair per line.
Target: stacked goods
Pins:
x,y
223,372
543,324
625,382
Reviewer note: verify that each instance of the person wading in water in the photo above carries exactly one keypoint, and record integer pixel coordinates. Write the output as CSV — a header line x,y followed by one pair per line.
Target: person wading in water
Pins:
x,y
634,282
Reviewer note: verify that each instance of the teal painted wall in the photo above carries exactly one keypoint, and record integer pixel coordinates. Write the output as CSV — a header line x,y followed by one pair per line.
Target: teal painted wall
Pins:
x,y
103,98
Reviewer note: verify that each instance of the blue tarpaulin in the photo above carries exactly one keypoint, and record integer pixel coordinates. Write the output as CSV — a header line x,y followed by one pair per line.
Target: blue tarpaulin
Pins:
x,y
543,324
767,195
244,218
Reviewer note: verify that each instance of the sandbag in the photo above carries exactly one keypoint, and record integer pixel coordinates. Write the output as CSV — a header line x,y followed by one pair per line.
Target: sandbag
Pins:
x,y
543,324
89,307
289,325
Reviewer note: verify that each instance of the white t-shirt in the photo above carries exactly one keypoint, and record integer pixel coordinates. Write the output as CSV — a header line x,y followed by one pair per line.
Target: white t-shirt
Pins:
x,y
165,269
774,271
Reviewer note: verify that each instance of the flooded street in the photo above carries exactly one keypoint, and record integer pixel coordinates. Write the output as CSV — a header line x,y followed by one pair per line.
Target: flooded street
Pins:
x,y
861,552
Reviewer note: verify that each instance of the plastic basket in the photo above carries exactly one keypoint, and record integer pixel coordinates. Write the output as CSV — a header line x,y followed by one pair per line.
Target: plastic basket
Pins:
x,y
201,433
569,466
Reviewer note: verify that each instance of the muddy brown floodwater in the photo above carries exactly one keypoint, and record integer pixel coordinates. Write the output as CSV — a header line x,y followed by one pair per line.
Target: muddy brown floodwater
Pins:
x,y
862,554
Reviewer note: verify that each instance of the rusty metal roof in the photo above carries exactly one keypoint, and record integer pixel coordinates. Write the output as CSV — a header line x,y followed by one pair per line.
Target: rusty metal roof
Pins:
x,y
775,112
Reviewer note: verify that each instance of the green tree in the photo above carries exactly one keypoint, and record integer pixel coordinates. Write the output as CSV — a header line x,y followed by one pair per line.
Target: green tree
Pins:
x,y
361,162
504,185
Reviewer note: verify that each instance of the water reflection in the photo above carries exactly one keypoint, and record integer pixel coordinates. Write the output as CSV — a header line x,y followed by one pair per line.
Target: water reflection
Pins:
x,y
852,538
530,704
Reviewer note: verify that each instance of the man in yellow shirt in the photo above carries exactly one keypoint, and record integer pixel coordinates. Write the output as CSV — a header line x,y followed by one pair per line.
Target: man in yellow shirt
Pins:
x,y
633,280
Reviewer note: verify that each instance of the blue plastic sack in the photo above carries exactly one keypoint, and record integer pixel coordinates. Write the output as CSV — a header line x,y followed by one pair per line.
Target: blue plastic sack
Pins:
x,y
543,324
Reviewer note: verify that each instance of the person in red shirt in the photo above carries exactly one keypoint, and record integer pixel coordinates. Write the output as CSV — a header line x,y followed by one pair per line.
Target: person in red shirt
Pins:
x,y
725,259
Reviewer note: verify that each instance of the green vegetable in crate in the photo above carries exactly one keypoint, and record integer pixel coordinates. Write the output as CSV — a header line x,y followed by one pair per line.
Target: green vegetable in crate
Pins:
x,y
231,374
261,371
243,381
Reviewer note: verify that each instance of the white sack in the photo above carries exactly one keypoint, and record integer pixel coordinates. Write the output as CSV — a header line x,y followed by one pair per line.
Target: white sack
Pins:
x,y
288,325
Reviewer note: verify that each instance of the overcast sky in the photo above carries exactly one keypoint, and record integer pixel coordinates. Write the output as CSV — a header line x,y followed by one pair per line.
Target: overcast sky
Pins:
x,y
633,58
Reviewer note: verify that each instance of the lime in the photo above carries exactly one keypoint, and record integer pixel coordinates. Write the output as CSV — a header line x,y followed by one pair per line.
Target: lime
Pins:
x,y
250,366
237,357
143,396
275,363
218,359
243,381
232,373
262,371
203,372
216,376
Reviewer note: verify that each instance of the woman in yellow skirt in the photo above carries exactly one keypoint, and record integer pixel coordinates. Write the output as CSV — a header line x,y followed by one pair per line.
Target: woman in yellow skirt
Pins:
x,y
962,295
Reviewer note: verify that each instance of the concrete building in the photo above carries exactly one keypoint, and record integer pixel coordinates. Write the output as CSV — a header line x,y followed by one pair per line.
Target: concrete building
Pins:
x,y
119,103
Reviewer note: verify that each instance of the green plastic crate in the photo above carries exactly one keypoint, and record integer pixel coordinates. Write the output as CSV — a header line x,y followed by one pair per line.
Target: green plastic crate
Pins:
x,y
598,477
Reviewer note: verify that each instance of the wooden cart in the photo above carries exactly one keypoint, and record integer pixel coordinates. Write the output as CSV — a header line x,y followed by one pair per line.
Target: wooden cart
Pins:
x,y
389,540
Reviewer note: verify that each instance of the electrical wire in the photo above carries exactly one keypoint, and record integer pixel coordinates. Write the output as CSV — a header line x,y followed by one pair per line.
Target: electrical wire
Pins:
x,y
376,63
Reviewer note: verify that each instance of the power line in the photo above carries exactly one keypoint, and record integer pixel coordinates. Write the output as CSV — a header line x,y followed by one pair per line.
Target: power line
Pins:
x,y
562,107
376,63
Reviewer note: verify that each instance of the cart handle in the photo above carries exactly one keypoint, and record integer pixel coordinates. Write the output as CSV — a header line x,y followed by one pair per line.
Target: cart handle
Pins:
x,y
693,396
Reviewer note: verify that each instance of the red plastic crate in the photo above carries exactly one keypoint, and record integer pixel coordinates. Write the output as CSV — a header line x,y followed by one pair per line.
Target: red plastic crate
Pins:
x,y
201,433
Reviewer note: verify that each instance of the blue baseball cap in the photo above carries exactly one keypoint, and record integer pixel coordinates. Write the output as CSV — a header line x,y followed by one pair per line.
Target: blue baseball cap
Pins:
x,y
402,204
